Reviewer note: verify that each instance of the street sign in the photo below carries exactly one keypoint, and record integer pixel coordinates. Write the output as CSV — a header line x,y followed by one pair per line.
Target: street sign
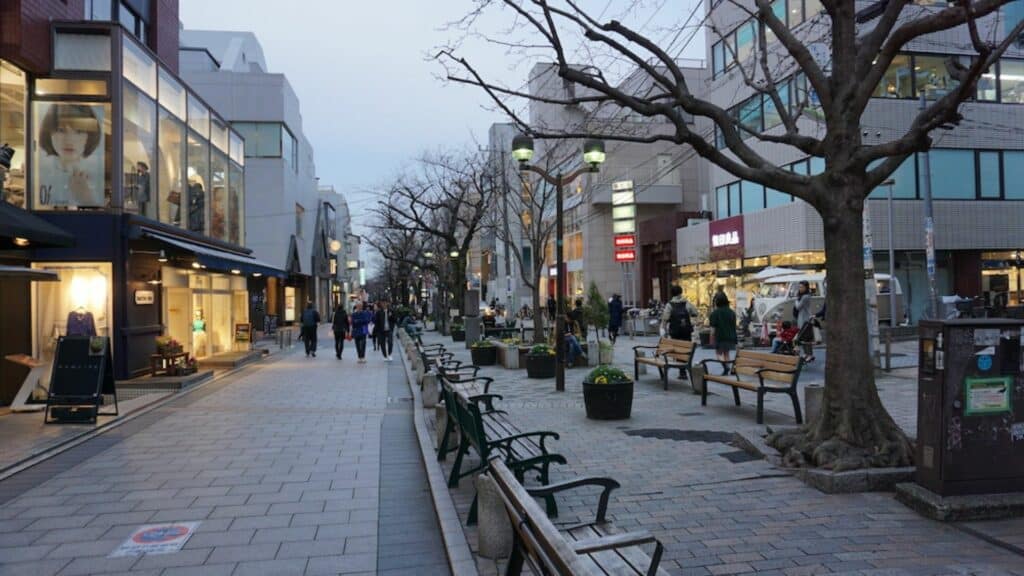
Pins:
x,y
625,255
625,240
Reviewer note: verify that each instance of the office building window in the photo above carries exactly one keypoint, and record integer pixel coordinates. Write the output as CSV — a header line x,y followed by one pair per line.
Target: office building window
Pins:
x,y
904,180
753,196
773,198
299,213
262,139
932,78
98,10
745,36
988,86
988,174
289,149
897,81
735,207
1013,175
750,115
721,202
952,174
1011,80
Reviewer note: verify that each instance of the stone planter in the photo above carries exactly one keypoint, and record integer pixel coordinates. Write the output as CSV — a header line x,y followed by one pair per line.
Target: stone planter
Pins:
x,y
458,335
484,356
540,366
608,401
508,355
524,351
606,354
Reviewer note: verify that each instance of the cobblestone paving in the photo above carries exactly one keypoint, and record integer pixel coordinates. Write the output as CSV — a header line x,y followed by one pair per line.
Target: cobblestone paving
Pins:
x,y
719,517
281,467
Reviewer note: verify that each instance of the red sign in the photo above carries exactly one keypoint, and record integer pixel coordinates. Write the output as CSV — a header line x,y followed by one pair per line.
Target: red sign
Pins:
x,y
625,255
726,238
625,240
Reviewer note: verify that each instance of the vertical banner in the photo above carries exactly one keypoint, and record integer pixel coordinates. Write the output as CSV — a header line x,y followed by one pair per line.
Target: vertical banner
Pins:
x,y
870,288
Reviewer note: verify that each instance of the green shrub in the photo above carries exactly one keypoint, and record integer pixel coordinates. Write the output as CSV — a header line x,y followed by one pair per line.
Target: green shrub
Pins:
x,y
606,374
539,349
483,344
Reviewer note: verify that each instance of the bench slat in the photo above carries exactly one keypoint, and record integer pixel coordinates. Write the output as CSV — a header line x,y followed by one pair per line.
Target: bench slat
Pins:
x,y
624,560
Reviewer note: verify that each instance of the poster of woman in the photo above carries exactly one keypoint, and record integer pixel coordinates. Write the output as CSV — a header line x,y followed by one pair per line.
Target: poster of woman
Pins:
x,y
69,147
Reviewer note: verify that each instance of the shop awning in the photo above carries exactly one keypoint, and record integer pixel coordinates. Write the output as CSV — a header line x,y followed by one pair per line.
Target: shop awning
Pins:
x,y
19,273
18,223
220,260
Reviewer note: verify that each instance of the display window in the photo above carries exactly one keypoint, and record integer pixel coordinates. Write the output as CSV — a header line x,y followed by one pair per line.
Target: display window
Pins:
x,y
198,182
201,309
13,110
138,67
289,303
71,164
219,220
172,168
139,143
236,205
80,304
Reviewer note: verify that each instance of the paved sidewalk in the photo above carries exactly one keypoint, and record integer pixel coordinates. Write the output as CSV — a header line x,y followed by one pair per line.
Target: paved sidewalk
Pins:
x,y
716,510
281,467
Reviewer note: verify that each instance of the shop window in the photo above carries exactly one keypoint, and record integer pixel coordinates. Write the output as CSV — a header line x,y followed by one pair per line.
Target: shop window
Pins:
x,y
904,181
745,35
81,52
79,305
13,112
72,143
735,208
198,183
1011,81
750,114
718,58
172,169
932,78
262,139
72,86
139,127
173,96
236,148
236,205
952,174
721,202
219,220
139,68
988,174
219,135
198,117
753,197
1013,175
897,81
773,198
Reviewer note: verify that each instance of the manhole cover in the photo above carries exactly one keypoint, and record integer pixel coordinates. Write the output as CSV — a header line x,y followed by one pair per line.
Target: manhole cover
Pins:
x,y
709,436
739,456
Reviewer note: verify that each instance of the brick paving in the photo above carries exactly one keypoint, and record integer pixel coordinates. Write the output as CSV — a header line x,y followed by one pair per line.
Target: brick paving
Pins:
x,y
721,514
282,467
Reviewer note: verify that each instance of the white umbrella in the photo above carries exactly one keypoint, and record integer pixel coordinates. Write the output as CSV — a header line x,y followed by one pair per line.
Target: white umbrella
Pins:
x,y
773,271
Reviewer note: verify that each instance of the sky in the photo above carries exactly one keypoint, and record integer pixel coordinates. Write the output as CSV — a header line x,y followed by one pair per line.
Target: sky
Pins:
x,y
371,99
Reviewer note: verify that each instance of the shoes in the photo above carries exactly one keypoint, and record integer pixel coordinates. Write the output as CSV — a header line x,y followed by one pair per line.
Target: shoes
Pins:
x,y
314,354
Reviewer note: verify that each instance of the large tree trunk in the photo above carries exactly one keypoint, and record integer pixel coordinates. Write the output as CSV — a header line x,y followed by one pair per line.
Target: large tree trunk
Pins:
x,y
853,430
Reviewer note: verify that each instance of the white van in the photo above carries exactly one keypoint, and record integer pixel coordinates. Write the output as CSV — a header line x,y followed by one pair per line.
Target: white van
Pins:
x,y
774,298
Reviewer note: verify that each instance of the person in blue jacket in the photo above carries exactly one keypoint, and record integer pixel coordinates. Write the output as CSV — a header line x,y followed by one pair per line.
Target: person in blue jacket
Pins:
x,y
361,320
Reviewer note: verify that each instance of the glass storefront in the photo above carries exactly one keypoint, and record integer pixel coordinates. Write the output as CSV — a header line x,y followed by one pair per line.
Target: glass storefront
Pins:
x,y
1001,278
198,182
201,309
79,305
13,111
139,152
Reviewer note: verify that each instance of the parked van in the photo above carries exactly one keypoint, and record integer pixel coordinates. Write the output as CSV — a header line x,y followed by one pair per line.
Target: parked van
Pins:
x,y
776,295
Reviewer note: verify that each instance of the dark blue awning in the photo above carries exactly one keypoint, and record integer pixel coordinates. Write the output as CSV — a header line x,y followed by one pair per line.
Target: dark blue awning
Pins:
x,y
220,260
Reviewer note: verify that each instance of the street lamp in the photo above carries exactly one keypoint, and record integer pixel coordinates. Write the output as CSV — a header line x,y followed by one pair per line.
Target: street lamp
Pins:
x,y
454,253
892,259
593,157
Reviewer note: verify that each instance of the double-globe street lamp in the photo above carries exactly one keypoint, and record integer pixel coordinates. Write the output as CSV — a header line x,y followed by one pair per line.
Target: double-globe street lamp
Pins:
x,y
593,157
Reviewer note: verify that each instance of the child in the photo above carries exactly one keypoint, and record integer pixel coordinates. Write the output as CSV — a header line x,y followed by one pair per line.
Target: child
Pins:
x,y
786,335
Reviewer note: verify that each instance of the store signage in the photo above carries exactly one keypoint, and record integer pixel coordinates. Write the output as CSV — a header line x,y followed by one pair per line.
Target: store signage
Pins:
x,y
144,297
625,255
726,238
625,240
243,332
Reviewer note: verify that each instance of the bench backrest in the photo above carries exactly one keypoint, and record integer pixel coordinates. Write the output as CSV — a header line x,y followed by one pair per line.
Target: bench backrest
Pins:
x,y
543,546
471,422
678,349
749,362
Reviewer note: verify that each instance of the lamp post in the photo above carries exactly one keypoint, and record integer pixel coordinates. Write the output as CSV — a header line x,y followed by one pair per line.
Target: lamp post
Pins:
x,y
892,259
593,157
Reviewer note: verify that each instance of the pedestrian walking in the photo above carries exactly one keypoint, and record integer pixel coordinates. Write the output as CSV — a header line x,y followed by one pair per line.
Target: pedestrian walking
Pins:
x,y
723,331
552,308
372,308
310,321
676,318
361,319
339,324
384,323
802,311
614,317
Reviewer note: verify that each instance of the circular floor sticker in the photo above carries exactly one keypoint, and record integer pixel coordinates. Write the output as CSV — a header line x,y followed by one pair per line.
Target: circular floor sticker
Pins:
x,y
160,534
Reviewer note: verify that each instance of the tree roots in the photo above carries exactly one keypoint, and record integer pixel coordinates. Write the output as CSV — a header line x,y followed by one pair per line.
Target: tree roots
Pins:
x,y
805,448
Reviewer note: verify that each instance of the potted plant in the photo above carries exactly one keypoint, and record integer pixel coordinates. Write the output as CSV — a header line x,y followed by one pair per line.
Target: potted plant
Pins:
x,y
166,346
608,393
458,331
540,362
484,353
606,353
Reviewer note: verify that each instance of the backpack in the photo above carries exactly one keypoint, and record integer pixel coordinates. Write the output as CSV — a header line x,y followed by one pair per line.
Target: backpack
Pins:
x,y
679,325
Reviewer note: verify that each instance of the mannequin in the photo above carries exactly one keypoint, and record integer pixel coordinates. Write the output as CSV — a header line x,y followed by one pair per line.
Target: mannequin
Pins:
x,y
196,204
81,322
198,333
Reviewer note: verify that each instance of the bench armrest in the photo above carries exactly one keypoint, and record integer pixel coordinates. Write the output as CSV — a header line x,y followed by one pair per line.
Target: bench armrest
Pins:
x,y
485,398
614,541
636,349
606,484
670,358
760,375
542,435
724,363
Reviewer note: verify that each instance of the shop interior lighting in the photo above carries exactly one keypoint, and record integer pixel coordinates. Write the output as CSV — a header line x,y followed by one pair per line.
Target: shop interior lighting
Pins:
x,y
19,241
162,257
236,271
196,265
257,274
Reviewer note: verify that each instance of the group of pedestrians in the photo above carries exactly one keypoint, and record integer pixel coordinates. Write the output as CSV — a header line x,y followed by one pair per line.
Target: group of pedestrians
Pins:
x,y
367,321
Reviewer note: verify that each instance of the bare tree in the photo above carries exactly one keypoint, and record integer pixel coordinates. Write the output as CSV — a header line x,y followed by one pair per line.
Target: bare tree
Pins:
x,y
446,197
833,64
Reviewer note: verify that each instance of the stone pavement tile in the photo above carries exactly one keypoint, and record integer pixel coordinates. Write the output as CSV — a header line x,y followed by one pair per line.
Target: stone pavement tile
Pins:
x,y
181,515
118,518
18,539
175,560
25,553
53,523
240,511
296,567
205,570
302,507
337,531
225,554
311,548
320,518
85,566
739,568
360,544
33,568
278,521
84,549
216,539
342,564
290,534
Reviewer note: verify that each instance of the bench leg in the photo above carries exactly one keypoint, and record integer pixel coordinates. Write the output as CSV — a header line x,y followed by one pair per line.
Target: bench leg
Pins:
x,y
796,407
736,395
442,447
704,394
636,370
515,559
453,480
471,520
760,406
663,373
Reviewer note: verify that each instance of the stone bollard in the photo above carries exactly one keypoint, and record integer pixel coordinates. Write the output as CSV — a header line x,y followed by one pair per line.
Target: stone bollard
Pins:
x,y
495,531
697,378
814,394
430,390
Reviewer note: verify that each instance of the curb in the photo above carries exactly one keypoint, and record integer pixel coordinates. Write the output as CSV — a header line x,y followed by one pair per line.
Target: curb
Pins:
x,y
86,435
460,558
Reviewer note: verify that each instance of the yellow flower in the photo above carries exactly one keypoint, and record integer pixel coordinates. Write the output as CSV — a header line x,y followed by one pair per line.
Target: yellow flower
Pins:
x,y
600,380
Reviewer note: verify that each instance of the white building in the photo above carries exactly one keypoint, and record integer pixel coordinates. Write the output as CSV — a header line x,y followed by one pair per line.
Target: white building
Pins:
x,y
282,202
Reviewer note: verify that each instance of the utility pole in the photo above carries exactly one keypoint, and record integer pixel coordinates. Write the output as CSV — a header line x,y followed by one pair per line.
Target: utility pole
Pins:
x,y
508,255
929,231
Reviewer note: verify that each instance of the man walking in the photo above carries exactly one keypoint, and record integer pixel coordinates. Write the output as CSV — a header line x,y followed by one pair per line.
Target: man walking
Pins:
x,y
361,319
383,322
676,320
339,324
310,321
614,317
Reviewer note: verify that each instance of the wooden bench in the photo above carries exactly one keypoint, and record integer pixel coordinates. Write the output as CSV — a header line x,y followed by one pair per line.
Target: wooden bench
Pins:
x,y
594,548
773,373
475,386
668,354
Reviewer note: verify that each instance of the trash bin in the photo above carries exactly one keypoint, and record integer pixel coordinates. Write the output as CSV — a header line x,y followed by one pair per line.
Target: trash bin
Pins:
x,y
970,411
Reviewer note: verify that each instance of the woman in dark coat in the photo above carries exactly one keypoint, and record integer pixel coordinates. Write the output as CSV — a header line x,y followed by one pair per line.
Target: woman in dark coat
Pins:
x,y
339,324
614,317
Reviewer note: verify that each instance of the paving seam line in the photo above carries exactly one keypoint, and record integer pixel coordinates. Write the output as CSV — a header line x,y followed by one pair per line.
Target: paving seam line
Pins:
x,y
91,433
460,557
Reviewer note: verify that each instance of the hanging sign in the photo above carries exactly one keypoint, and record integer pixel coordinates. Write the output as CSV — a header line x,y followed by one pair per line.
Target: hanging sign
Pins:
x,y
726,238
144,297
625,255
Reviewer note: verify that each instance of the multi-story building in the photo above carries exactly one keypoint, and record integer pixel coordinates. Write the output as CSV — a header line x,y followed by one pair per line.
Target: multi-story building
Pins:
x,y
666,179
507,237
112,146
334,231
976,171
283,204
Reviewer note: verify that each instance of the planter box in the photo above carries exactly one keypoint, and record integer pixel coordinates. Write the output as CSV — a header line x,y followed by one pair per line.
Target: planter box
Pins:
x,y
508,355
484,356
458,335
606,355
608,401
524,351
540,366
